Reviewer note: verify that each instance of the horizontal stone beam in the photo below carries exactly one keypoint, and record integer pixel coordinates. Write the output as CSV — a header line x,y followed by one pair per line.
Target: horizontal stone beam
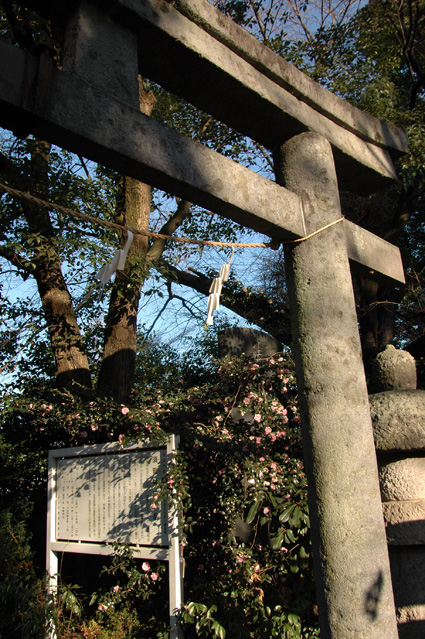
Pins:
x,y
373,257
214,72
195,51
286,75
111,132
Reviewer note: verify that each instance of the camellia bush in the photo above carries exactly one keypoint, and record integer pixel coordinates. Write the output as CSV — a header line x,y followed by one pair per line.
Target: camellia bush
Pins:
x,y
237,481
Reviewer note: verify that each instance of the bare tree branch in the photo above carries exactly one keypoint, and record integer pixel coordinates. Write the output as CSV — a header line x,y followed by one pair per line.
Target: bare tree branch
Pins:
x,y
251,305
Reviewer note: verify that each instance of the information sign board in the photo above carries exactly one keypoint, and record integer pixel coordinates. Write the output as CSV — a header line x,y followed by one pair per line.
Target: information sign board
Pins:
x,y
105,498
102,494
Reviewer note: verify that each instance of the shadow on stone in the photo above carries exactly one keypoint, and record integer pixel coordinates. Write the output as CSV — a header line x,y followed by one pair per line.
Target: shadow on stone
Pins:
x,y
373,596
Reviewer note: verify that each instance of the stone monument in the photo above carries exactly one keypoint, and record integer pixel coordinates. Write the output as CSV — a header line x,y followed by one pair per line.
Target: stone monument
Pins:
x,y
398,411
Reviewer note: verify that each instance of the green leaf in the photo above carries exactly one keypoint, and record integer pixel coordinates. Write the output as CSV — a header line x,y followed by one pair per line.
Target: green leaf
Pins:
x,y
276,542
304,554
219,630
295,517
292,618
286,513
253,511
289,536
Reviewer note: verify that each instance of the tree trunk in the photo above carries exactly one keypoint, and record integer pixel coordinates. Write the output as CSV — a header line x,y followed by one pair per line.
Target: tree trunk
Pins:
x,y
120,343
72,368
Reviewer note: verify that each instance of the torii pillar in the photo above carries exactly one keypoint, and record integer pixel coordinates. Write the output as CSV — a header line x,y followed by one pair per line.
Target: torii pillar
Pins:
x,y
350,548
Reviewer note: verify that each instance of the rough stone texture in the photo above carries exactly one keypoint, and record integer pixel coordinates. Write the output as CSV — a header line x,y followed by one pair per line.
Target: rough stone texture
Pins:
x,y
405,522
236,341
398,420
408,570
403,479
103,53
392,369
348,532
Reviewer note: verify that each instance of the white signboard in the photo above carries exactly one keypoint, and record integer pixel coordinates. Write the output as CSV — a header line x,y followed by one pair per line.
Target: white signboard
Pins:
x,y
103,494
105,498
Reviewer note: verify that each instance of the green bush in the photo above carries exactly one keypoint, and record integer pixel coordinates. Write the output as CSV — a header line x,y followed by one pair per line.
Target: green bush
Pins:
x,y
237,480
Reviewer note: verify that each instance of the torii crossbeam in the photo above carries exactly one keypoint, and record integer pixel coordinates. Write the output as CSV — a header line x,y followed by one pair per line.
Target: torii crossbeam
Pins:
x,y
91,107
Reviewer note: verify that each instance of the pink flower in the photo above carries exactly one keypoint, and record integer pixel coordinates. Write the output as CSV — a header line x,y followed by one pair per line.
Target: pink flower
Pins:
x,y
154,576
267,510
125,410
83,433
267,430
257,417
115,588
120,438
146,566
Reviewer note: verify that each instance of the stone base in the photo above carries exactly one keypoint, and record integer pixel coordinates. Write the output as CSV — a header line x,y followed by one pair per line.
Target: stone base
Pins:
x,y
398,420
405,522
402,479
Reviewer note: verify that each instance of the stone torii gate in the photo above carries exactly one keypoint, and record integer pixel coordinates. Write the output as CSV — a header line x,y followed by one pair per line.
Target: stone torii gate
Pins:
x,y
91,107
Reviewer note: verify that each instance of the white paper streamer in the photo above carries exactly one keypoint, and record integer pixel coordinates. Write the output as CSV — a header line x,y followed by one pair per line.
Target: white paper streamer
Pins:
x,y
215,291
117,264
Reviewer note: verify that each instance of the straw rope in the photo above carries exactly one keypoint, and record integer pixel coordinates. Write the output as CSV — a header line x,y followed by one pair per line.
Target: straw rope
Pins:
x,y
32,199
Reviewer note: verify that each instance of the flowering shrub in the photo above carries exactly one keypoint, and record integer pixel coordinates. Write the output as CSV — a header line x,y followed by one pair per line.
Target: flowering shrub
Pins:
x,y
239,484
